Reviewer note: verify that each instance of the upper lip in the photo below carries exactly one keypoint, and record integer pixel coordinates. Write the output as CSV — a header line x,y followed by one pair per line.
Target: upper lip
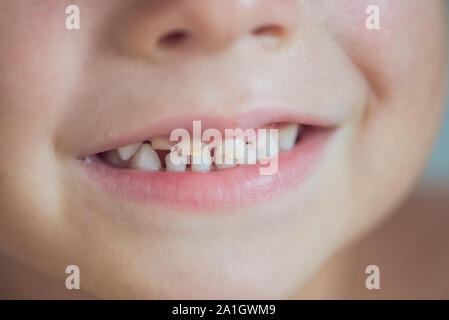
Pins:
x,y
253,119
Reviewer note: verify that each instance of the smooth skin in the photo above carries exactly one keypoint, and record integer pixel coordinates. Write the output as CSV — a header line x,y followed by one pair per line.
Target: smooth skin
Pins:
x,y
61,90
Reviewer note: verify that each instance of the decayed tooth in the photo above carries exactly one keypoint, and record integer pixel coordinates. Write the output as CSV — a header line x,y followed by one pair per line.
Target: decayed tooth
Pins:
x,y
175,162
146,158
201,159
160,143
287,136
113,158
127,152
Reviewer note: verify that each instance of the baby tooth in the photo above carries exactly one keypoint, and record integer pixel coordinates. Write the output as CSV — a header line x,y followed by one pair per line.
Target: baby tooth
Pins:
x,y
287,136
250,155
274,145
127,152
201,161
230,152
225,166
146,158
183,147
174,162
113,158
239,149
223,161
160,143
268,147
196,148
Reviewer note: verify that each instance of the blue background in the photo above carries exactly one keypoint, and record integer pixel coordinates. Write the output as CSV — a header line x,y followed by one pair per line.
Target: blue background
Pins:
x,y
438,168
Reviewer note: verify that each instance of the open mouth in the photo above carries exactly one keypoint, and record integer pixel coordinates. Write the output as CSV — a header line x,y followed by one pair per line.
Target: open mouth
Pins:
x,y
207,177
162,154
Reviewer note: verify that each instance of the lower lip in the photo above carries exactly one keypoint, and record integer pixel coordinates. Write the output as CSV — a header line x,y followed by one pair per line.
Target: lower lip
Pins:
x,y
224,189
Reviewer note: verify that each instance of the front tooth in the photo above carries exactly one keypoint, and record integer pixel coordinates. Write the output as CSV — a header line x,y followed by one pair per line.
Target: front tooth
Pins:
x,y
250,156
183,147
146,158
225,166
223,162
231,152
160,143
201,158
127,152
287,136
267,145
240,147
175,164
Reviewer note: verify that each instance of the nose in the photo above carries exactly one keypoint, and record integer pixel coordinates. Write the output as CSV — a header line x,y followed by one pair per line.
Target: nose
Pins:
x,y
166,29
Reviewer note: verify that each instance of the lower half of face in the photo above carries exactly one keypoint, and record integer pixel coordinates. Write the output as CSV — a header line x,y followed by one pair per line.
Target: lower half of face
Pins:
x,y
85,117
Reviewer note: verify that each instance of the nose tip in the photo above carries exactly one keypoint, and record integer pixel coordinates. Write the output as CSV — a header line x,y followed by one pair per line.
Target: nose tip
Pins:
x,y
171,28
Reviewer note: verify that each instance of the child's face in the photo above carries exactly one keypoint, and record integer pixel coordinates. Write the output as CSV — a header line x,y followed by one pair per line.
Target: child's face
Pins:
x,y
372,100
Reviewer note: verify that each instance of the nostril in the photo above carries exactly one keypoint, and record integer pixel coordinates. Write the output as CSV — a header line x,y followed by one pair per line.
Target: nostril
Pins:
x,y
173,38
270,30
270,36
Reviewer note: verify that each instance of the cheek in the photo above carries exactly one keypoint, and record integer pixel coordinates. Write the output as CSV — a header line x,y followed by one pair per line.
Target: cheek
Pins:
x,y
404,63
38,66
28,49
29,31
31,88
411,33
